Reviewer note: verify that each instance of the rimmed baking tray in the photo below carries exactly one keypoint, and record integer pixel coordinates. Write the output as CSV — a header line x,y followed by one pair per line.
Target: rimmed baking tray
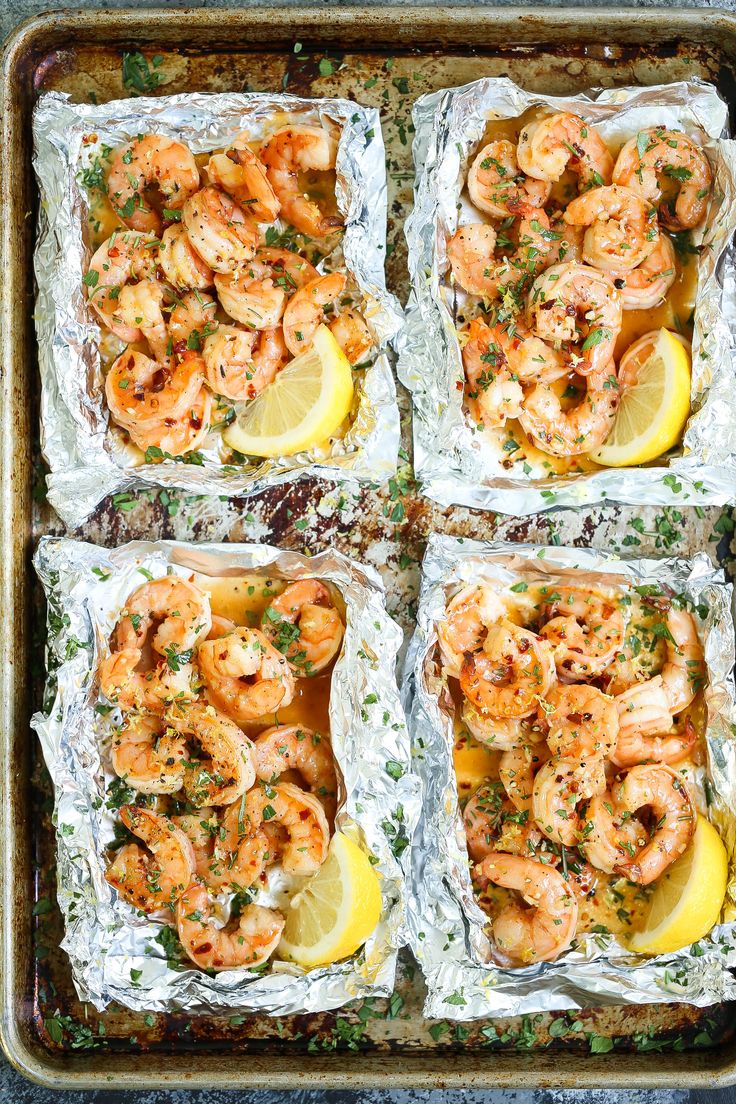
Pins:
x,y
383,56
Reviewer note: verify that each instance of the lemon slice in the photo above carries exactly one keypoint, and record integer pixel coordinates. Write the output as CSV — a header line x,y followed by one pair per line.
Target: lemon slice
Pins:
x,y
688,898
305,404
653,410
337,909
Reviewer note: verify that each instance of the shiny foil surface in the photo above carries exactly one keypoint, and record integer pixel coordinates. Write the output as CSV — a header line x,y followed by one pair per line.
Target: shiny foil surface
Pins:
x,y
86,457
446,924
459,465
113,950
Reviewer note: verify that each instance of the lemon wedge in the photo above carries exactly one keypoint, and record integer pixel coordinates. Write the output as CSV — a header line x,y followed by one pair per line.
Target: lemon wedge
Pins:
x,y
688,898
336,911
653,410
303,407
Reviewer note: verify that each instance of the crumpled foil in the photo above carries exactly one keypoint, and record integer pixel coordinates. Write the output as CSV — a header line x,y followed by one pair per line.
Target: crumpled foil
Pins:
x,y
457,464
86,462
112,949
445,922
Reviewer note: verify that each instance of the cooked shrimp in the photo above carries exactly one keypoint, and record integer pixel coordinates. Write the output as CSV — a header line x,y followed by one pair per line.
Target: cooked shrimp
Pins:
x,y
553,143
493,824
560,785
295,748
512,348
220,231
240,173
567,244
140,391
269,357
632,664
658,152
191,320
583,722
221,626
308,307
147,757
585,627
181,264
239,857
471,253
140,305
245,676
512,671
294,821
482,819
584,881
496,185
175,611
543,931
517,769
534,242
609,837
468,617
252,296
666,794
637,353
498,733
683,673
304,625
289,151
475,266
240,363
622,228
151,163
290,270
668,747
647,708
244,943
229,767
492,394
571,304
155,877
175,436
622,673
123,257
531,359
125,681
201,829
351,332
645,287
643,711
578,430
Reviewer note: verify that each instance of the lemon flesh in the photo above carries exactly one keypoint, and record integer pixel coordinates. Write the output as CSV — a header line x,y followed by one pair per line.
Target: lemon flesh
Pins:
x,y
653,411
306,403
336,911
687,900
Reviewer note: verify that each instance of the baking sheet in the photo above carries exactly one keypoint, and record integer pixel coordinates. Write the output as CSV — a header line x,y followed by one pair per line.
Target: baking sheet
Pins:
x,y
48,1031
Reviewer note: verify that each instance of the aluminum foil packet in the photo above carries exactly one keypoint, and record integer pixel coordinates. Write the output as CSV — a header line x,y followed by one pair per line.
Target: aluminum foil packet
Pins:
x,y
445,922
116,953
86,460
457,464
